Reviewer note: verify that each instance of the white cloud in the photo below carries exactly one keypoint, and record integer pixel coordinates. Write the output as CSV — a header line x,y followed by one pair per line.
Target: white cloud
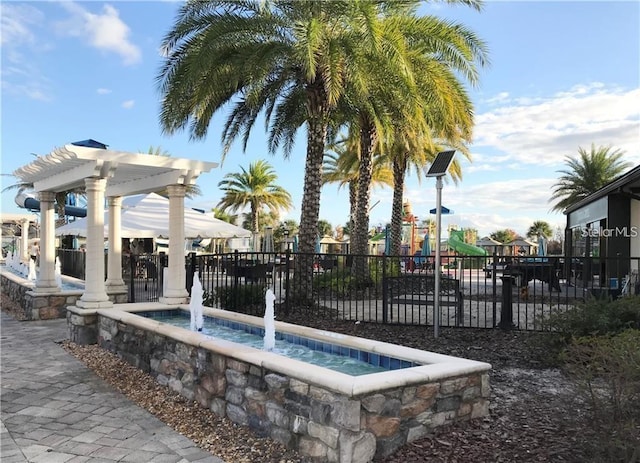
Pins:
x,y
545,130
20,75
104,31
128,104
103,91
16,21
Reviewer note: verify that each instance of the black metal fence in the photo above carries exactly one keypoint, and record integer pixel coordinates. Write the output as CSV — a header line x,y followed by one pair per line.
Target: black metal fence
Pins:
x,y
479,292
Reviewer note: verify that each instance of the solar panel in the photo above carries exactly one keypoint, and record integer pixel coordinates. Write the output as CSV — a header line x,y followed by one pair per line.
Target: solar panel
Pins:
x,y
441,164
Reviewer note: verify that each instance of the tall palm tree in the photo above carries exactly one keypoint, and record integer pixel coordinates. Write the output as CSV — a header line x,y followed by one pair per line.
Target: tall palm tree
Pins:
x,y
586,174
288,59
437,52
256,189
441,114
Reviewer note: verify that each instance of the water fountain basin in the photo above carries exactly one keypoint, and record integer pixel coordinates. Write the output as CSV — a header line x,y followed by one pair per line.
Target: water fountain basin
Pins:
x,y
319,411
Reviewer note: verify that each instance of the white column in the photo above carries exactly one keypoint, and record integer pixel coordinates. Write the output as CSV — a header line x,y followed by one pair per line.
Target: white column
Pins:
x,y
46,281
24,241
95,295
114,262
176,293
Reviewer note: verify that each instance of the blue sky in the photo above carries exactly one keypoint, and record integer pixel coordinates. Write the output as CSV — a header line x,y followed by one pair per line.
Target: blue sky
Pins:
x,y
563,75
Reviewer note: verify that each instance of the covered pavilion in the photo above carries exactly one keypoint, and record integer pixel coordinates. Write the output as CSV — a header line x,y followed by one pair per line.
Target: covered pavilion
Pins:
x,y
109,174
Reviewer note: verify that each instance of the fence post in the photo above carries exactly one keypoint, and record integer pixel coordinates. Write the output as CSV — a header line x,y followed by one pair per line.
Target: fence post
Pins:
x,y
162,263
385,307
286,282
506,312
236,270
132,278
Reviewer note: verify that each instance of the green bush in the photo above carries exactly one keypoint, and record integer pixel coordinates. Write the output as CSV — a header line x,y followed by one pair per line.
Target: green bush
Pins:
x,y
241,298
596,317
607,372
337,282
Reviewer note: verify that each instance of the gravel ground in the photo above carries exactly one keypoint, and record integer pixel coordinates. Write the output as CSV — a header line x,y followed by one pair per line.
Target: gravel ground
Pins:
x,y
534,415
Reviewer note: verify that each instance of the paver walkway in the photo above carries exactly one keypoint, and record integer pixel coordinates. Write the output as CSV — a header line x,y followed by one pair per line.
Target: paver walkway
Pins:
x,y
54,409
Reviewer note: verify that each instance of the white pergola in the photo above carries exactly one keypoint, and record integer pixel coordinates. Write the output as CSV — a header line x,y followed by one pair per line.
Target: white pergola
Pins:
x,y
109,174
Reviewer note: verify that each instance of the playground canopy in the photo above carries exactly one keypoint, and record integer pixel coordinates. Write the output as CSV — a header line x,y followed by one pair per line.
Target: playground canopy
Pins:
x,y
147,216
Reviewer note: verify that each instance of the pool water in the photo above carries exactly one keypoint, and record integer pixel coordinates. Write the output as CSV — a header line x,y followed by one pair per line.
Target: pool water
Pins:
x,y
335,357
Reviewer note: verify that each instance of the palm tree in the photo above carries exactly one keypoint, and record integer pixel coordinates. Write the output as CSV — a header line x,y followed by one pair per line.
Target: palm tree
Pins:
x,y
539,228
324,228
442,116
587,174
256,189
505,236
410,111
290,60
224,216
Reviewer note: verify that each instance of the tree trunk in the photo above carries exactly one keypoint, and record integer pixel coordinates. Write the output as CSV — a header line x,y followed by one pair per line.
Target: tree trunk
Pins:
x,y
399,169
316,137
353,210
361,232
61,200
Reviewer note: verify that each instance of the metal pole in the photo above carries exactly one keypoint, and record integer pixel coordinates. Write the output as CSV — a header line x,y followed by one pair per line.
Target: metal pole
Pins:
x,y
436,289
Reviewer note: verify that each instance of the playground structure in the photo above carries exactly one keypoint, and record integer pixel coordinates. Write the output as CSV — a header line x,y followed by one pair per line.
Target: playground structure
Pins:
x,y
456,242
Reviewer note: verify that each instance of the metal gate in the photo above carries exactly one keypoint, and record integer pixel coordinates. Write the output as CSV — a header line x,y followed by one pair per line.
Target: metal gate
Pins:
x,y
143,276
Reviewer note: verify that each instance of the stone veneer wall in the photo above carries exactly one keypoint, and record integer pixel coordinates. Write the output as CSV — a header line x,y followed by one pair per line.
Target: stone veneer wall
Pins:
x,y
45,306
317,422
38,306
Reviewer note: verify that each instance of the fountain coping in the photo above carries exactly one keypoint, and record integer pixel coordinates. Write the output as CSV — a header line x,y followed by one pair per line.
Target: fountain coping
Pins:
x,y
434,366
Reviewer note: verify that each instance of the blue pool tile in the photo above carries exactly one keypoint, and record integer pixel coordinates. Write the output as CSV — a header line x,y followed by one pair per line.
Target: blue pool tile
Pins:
x,y
383,361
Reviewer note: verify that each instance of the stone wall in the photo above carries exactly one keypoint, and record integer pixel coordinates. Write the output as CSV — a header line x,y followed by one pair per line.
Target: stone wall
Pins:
x,y
38,306
45,306
316,421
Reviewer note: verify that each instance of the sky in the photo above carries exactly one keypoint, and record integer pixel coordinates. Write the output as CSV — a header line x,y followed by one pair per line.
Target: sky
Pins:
x,y
562,75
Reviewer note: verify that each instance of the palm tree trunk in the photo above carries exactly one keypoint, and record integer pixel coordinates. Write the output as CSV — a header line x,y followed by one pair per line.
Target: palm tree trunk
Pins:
x,y
365,173
399,169
316,136
61,199
353,210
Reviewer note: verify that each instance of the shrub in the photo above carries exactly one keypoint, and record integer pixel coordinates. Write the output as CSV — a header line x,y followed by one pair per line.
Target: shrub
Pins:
x,y
597,316
241,298
607,372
